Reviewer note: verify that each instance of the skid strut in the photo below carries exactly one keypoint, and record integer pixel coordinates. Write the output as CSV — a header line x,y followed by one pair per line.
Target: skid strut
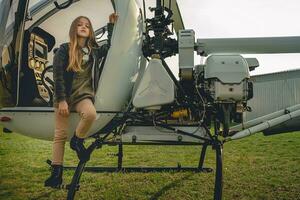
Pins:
x,y
218,146
219,172
74,185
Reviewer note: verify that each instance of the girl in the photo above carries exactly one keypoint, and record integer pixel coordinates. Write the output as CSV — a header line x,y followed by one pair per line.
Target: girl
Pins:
x,y
76,77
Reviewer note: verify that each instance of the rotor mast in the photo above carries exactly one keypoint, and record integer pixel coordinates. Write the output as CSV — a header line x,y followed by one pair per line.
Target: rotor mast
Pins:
x,y
158,28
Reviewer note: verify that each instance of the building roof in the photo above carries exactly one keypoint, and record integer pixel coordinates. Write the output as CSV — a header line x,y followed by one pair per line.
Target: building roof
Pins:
x,y
280,72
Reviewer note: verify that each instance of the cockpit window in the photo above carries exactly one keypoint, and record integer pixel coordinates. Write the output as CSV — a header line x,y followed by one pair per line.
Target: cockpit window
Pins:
x,y
8,32
33,3
36,5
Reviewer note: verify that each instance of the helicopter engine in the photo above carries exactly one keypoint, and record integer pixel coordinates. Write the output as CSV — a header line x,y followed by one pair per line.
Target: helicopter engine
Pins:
x,y
226,78
224,81
221,85
217,90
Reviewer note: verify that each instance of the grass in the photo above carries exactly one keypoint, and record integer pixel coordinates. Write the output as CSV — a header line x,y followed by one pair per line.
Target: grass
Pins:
x,y
257,167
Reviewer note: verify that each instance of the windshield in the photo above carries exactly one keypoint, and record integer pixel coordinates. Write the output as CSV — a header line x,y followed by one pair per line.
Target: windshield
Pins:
x,y
33,3
37,5
8,21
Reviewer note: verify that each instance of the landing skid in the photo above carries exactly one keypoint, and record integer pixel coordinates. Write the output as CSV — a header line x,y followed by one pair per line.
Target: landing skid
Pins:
x,y
73,187
120,168
200,140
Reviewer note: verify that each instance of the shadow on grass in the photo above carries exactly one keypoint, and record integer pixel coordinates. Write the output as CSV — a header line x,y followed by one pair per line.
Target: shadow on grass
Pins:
x,y
169,186
43,195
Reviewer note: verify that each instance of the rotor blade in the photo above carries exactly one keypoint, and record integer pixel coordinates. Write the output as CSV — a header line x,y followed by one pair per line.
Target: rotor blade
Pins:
x,y
178,22
267,45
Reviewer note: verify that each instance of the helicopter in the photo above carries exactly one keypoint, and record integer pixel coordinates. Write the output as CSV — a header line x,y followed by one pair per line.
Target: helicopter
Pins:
x,y
139,100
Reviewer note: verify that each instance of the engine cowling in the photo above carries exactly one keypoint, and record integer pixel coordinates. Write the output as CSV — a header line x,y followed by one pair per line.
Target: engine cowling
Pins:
x,y
227,78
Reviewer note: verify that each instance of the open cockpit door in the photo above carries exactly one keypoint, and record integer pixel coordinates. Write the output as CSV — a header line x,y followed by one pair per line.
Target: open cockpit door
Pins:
x,y
45,20
12,18
32,30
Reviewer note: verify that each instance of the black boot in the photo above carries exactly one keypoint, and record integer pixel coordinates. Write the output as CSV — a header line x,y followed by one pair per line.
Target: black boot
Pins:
x,y
55,178
76,144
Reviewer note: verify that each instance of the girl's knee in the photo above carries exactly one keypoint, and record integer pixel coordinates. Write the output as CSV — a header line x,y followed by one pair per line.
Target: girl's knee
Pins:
x,y
89,115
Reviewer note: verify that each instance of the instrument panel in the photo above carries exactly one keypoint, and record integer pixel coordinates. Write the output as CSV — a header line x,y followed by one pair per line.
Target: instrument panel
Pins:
x,y
37,61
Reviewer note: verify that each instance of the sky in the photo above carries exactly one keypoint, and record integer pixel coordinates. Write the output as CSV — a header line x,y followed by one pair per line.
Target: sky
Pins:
x,y
246,18
243,18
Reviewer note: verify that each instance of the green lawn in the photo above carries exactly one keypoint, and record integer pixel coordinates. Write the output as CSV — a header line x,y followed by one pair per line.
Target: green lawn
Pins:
x,y
257,167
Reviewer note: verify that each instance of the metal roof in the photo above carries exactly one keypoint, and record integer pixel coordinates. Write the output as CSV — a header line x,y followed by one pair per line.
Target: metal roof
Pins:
x,y
273,92
280,72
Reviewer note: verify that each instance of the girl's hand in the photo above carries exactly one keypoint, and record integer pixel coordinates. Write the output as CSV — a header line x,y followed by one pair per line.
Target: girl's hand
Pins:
x,y
63,109
113,18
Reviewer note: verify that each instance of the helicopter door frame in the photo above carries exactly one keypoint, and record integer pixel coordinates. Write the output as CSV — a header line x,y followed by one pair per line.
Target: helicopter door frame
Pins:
x,y
22,6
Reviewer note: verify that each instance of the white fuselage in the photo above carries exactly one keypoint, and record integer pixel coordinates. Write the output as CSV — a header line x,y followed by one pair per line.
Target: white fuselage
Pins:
x,y
115,84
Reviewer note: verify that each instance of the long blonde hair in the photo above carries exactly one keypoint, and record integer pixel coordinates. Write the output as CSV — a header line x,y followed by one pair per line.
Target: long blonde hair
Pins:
x,y
75,53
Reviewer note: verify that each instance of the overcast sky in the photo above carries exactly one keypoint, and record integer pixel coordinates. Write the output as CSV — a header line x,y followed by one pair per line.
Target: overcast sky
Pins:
x,y
246,18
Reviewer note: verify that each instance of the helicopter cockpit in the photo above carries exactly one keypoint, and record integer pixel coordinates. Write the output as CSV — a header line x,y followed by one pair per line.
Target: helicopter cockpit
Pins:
x,y
35,85
31,31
